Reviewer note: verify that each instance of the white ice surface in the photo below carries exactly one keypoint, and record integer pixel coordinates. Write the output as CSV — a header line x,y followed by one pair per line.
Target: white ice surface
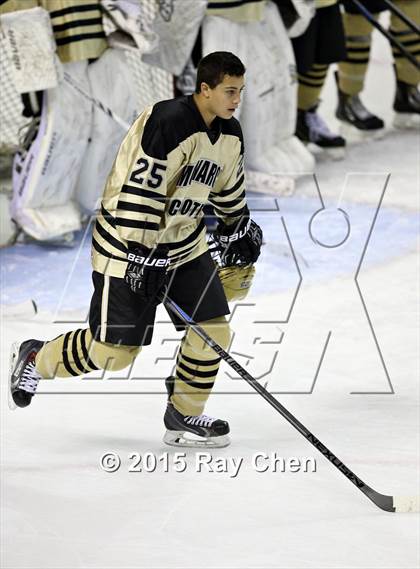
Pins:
x,y
60,510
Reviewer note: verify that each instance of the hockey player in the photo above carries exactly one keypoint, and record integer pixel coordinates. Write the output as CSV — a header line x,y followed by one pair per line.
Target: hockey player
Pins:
x,y
149,238
356,118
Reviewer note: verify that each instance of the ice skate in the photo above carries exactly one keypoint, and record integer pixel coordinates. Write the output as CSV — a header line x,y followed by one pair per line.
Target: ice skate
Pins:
x,y
357,123
193,431
406,106
312,130
23,376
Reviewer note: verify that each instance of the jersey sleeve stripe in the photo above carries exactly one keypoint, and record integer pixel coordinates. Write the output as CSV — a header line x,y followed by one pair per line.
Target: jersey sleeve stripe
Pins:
x,y
109,238
228,204
108,217
232,190
236,213
137,224
141,192
104,252
181,254
138,208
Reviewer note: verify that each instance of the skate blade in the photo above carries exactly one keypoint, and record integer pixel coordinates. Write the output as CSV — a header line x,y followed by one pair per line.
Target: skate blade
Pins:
x,y
353,134
406,121
14,353
185,439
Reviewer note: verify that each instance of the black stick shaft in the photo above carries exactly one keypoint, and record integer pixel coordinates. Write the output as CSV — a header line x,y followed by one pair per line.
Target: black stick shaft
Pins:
x,y
368,15
410,23
380,500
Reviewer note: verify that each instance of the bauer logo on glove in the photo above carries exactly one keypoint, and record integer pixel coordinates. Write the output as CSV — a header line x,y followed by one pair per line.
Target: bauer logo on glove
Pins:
x,y
146,272
148,261
240,242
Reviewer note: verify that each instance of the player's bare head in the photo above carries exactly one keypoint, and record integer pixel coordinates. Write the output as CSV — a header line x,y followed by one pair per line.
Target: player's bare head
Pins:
x,y
213,68
220,81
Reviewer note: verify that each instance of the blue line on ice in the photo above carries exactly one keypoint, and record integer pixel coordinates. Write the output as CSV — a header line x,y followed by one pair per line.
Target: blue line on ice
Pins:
x,y
42,272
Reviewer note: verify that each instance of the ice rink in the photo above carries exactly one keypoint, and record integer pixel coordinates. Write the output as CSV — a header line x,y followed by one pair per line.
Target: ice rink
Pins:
x,y
331,328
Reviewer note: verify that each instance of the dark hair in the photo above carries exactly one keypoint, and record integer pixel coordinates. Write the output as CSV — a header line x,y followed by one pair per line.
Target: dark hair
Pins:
x,y
215,66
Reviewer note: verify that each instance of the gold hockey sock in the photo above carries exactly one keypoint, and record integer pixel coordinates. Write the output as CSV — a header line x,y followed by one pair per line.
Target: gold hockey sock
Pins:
x,y
405,70
310,86
197,366
76,353
352,70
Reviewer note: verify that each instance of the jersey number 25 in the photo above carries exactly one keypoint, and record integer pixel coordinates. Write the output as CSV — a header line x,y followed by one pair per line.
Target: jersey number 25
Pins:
x,y
155,179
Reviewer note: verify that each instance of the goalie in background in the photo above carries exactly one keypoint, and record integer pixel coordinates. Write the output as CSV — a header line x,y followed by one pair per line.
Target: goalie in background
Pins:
x,y
150,239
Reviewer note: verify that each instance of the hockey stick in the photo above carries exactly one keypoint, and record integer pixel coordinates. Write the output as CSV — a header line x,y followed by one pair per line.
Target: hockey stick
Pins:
x,y
387,503
403,17
368,15
68,78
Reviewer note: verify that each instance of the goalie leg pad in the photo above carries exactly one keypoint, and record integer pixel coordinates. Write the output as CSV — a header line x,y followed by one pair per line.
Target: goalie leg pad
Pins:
x,y
44,177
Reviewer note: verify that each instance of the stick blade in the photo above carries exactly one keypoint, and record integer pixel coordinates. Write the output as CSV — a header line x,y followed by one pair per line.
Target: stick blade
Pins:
x,y
405,504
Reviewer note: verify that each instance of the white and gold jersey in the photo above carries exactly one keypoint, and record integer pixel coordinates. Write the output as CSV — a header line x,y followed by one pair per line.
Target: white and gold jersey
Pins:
x,y
76,24
167,168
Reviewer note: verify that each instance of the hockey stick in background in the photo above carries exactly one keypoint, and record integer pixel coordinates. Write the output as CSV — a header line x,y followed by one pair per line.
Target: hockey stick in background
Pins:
x,y
388,503
403,17
68,78
369,16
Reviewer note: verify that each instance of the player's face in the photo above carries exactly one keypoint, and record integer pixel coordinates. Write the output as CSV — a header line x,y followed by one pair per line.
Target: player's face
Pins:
x,y
224,99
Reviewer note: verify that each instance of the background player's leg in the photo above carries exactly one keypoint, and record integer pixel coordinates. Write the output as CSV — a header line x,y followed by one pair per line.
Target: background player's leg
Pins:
x,y
351,77
352,70
310,127
310,86
407,97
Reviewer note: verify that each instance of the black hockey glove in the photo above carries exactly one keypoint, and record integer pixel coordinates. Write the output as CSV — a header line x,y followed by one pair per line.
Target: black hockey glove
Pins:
x,y
240,242
147,271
